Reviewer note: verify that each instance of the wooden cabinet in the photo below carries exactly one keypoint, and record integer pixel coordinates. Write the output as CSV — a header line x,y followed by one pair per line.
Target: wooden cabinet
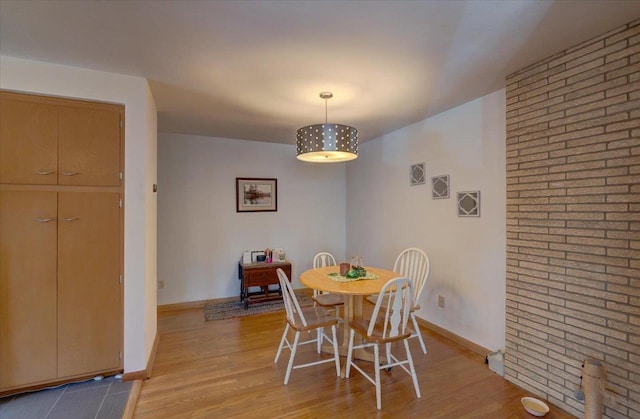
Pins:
x,y
88,154
28,141
46,141
255,279
89,314
61,240
28,294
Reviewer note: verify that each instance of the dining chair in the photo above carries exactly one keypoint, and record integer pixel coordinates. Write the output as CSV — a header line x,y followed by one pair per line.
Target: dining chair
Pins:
x,y
325,299
388,324
305,319
414,264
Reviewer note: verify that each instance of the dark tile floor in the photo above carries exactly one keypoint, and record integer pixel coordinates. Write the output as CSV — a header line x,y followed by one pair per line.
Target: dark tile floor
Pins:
x,y
103,399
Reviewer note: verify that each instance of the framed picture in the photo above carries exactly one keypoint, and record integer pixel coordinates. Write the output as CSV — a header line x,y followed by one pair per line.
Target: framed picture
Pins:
x,y
256,194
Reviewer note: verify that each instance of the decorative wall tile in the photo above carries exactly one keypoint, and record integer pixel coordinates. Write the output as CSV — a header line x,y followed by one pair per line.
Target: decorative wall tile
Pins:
x,y
440,187
417,174
469,204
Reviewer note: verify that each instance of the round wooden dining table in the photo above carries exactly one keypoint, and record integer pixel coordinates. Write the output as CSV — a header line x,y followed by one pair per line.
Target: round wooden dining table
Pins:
x,y
353,292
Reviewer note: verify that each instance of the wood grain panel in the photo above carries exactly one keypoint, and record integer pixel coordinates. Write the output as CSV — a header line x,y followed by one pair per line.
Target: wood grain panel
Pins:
x,y
89,292
89,146
61,312
28,140
225,368
28,328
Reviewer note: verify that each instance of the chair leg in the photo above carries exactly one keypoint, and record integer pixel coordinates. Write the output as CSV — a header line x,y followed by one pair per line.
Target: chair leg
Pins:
x,y
376,352
293,355
388,350
320,333
282,341
412,368
417,331
349,354
335,349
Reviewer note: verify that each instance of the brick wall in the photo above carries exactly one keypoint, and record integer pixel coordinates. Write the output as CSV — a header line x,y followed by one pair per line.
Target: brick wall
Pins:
x,y
573,221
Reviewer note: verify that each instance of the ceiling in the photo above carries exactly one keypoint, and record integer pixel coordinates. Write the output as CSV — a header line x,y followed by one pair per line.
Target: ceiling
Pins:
x,y
254,69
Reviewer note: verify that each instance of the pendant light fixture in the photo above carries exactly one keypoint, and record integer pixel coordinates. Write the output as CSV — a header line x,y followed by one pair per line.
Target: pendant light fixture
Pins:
x,y
327,143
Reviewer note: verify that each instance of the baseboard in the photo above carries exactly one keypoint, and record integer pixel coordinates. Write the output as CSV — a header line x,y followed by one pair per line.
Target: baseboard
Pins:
x,y
152,355
201,303
145,373
194,304
130,407
134,375
473,347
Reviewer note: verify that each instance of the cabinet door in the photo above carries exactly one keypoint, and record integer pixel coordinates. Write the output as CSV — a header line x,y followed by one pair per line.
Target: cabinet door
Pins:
x,y
28,345
28,141
89,293
89,146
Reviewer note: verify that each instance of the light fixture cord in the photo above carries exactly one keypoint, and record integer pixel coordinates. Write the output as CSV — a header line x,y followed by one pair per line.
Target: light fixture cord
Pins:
x,y
325,111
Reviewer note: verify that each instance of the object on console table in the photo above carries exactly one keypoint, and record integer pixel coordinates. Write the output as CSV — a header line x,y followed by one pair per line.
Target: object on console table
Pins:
x,y
255,254
278,254
260,275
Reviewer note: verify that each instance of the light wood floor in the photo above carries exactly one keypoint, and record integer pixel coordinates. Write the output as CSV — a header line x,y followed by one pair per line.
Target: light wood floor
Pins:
x,y
225,368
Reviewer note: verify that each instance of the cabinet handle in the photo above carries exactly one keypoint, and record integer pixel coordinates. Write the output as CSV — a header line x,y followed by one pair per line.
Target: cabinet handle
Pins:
x,y
44,220
70,173
44,172
70,219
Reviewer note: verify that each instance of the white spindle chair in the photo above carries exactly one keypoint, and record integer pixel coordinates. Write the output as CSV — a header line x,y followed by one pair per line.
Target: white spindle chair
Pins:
x,y
305,319
325,299
414,264
388,324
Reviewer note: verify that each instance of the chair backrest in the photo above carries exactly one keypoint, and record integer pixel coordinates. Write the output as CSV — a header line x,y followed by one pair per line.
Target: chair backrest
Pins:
x,y
323,259
294,313
413,263
395,300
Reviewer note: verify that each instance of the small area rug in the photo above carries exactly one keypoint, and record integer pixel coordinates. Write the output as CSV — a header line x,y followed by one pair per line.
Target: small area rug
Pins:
x,y
229,310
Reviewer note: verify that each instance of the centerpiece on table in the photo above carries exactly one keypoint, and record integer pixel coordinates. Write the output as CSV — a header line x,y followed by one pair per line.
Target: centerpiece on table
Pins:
x,y
357,270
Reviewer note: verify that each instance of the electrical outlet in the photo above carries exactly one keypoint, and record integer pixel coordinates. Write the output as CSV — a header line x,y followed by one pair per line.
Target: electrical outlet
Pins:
x,y
160,285
441,301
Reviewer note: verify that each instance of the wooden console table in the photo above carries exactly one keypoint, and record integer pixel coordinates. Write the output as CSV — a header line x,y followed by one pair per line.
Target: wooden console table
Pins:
x,y
260,274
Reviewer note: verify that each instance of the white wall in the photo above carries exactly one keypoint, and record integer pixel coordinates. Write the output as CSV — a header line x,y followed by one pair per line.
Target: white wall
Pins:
x,y
366,204
151,217
467,255
201,236
140,174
